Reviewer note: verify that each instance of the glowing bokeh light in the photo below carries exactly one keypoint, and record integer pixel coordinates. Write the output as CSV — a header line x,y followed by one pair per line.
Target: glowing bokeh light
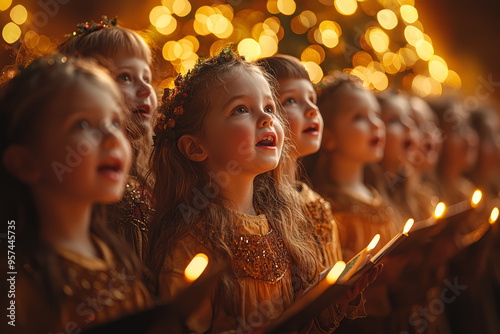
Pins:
x,y
249,48
408,13
19,14
346,7
387,19
11,33
5,4
438,69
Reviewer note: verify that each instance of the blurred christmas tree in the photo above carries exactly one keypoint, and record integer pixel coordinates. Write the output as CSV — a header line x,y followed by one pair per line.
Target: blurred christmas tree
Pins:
x,y
380,41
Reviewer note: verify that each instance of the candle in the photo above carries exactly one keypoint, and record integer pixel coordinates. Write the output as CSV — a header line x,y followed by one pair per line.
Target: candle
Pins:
x,y
196,267
394,241
358,260
494,215
439,210
476,198
335,272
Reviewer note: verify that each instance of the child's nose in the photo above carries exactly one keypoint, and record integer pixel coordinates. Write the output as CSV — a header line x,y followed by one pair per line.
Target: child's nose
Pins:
x,y
312,110
110,134
144,90
266,120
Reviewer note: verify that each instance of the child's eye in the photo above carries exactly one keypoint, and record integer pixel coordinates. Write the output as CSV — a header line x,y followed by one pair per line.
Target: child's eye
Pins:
x,y
147,80
290,101
239,111
124,77
82,124
394,120
117,123
269,109
358,117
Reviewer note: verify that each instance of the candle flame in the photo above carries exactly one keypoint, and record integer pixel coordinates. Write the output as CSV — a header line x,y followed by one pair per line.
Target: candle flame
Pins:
x,y
408,226
494,215
476,198
196,267
440,209
373,243
335,272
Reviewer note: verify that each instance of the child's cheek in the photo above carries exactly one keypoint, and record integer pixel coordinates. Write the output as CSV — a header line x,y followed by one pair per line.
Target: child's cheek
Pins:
x,y
280,135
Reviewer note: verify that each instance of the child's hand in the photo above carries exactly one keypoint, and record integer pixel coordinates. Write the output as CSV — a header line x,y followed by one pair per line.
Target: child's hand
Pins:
x,y
362,284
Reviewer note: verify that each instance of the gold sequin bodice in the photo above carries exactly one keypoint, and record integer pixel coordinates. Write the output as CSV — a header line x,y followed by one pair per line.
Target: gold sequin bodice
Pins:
x,y
130,217
261,256
319,213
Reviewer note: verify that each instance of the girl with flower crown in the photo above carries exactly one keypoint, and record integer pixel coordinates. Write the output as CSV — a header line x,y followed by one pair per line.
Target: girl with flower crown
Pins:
x,y
221,189
64,152
127,56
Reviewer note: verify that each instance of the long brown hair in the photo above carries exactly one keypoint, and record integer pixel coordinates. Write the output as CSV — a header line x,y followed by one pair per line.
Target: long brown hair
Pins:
x,y
178,177
24,103
103,45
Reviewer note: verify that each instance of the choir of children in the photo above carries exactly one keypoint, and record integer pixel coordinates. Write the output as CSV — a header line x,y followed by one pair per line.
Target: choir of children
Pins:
x,y
251,165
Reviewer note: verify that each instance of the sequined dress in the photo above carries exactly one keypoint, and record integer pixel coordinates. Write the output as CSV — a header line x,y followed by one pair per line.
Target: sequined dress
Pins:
x,y
94,290
131,216
260,276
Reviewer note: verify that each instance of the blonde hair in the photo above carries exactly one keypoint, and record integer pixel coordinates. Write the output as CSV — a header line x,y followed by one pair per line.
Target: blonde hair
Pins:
x,y
103,45
24,103
176,178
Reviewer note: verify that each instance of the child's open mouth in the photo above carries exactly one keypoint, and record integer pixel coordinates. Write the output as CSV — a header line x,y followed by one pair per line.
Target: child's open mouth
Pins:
x,y
407,144
143,111
112,169
268,140
312,129
375,141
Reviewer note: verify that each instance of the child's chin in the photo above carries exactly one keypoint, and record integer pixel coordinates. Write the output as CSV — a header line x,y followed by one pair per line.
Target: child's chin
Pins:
x,y
111,198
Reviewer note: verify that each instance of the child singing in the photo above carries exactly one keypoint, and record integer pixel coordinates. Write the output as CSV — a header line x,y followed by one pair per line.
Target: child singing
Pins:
x,y
221,189
127,56
64,151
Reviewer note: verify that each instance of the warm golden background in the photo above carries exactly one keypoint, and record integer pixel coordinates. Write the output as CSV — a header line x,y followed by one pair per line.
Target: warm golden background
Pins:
x,y
427,47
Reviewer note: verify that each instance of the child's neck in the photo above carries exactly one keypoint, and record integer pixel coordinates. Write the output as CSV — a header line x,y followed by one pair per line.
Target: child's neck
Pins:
x,y
347,174
65,223
239,192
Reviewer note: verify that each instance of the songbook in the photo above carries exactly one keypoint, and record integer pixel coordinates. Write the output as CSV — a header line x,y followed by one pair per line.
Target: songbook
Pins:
x,y
333,285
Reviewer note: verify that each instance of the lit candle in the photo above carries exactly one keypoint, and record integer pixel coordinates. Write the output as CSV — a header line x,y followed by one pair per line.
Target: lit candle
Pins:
x,y
494,215
358,260
394,241
439,210
476,198
196,267
335,272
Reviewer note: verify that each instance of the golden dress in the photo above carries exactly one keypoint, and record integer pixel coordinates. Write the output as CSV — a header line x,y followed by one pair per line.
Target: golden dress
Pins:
x,y
130,217
260,276
93,290
359,221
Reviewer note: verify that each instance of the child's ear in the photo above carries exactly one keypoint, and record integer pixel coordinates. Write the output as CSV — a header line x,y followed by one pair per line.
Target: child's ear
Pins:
x,y
191,148
328,142
20,162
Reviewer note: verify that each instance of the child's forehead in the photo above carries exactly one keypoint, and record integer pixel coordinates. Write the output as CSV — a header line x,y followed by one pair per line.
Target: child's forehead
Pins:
x,y
295,83
129,60
82,96
241,75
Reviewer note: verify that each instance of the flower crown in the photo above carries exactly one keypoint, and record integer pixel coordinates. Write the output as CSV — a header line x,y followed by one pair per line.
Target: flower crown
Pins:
x,y
89,27
174,99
